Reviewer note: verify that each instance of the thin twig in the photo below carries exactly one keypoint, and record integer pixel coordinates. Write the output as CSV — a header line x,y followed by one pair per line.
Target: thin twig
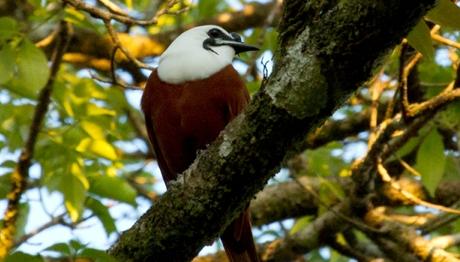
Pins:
x,y
445,41
117,43
409,196
113,7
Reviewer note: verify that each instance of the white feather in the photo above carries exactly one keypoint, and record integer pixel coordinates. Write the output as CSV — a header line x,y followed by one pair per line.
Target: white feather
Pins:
x,y
186,59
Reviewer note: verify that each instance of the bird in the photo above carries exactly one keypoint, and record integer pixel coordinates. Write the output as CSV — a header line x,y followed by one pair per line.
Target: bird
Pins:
x,y
188,100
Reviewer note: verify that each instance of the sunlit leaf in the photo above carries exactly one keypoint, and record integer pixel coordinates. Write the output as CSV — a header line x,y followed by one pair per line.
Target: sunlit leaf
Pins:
x,y
94,130
74,197
99,148
420,39
431,160
93,110
8,27
129,3
102,213
32,70
73,189
112,187
79,19
445,13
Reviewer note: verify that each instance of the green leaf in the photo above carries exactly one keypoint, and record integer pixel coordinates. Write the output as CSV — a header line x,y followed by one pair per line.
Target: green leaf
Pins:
x,y
5,185
322,162
61,248
76,245
74,197
73,189
452,171
445,13
97,255
32,70
112,187
21,223
21,257
329,193
7,61
431,160
300,224
98,147
102,212
420,39
8,27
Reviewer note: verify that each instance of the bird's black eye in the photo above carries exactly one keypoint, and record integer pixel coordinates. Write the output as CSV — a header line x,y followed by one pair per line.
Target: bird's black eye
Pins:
x,y
236,37
214,33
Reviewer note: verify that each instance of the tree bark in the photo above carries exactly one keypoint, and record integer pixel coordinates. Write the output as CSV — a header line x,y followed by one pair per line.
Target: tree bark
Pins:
x,y
327,50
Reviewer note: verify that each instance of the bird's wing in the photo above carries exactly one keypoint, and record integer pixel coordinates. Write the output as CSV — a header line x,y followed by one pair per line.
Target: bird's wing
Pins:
x,y
167,174
238,241
237,237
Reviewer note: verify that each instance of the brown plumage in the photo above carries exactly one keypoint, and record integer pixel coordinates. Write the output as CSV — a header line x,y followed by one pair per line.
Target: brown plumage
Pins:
x,y
184,118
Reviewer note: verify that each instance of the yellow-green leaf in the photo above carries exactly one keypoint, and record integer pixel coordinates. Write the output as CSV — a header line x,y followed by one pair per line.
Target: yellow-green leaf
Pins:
x,y
73,190
7,61
97,147
420,39
8,27
431,160
112,187
94,110
94,130
31,70
300,224
445,13
102,212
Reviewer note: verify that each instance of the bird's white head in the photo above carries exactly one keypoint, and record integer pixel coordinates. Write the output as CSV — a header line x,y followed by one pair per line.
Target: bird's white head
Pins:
x,y
199,53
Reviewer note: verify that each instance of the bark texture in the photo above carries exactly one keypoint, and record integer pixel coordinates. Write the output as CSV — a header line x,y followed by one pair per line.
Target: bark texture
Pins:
x,y
328,48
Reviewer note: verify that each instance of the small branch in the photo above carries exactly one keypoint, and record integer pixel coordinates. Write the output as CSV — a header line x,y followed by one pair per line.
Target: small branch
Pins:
x,y
446,241
402,243
113,7
376,89
117,43
387,178
439,221
445,41
107,16
54,221
349,251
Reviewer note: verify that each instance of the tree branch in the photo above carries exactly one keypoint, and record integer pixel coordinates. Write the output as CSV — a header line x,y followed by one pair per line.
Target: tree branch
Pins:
x,y
321,62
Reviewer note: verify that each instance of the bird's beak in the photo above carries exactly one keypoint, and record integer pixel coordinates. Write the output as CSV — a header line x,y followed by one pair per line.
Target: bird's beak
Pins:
x,y
236,42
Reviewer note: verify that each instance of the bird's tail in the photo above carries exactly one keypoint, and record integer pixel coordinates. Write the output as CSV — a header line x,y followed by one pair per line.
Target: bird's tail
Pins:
x,y
238,242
